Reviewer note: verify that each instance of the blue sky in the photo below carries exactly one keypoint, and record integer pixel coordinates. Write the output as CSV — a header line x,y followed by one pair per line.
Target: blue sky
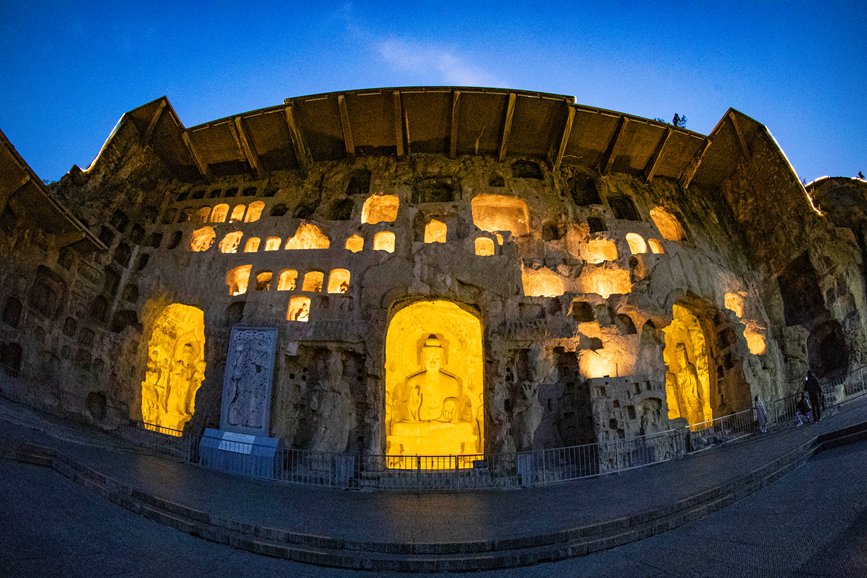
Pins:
x,y
72,68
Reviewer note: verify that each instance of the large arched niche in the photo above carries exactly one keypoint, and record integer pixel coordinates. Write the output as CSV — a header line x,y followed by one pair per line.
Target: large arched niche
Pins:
x,y
175,369
434,400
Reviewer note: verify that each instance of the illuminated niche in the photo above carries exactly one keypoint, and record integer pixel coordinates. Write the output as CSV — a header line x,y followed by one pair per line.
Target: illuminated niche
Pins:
x,y
263,280
598,251
501,213
735,303
636,243
384,241
202,215
338,281
237,214
237,278
435,232
434,402
175,368
542,282
754,334
252,245
355,243
254,211
308,236
287,280
230,242
656,246
299,309
668,225
604,281
687,378
313,281
485,247
219,214
273,243
202,239
380,209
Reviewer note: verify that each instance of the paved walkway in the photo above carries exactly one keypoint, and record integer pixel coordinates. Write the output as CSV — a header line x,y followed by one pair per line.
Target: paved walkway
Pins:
x,y
412,517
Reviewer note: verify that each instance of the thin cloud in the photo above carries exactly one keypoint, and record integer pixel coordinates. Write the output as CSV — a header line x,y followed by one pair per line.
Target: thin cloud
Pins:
x,y
430,61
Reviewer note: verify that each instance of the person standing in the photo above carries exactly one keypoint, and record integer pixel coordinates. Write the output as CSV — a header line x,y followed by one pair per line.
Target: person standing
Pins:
x,y
761,414
814,390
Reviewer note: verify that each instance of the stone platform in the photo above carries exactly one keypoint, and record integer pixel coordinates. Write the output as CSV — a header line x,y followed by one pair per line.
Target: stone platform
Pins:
x,y
418,532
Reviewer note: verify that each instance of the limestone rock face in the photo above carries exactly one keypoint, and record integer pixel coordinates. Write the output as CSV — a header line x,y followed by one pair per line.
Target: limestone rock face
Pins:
x,y
612,302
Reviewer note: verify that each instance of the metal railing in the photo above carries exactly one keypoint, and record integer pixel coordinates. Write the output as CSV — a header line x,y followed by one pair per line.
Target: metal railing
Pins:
x,y
431,472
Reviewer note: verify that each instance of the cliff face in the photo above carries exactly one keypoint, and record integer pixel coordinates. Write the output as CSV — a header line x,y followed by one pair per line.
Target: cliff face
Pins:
x,y
610,302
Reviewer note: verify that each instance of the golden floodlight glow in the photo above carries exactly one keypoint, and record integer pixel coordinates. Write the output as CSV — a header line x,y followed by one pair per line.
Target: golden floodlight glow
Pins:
x,y
202,239
687,381
254,211
263,280
237,214
237,278
273,243
202,214
380,209
313,281
542,282
435,232
338,281
175,368
252,245
219,214
494,213
735,303
355,243
308,236
299,309
599,363
598,251
384,241
485,247
637,246
668,225
287,280
604,281
230,242
434,394
755,337
656,247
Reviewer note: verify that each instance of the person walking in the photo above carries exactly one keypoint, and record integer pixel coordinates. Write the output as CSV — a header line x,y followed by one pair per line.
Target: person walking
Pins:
x,y
803,411
761,414
814,390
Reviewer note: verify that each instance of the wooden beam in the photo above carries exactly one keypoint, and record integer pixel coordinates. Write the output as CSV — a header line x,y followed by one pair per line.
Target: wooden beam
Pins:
x,y
564,138
24,180
613,146
347,128
302,153
203,168
408,133
152,125
745,151
398,123
688,173
249,149
653,161
507,127
453,127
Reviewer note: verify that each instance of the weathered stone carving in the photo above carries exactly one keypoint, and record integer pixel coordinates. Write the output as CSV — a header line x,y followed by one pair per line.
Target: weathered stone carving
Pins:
x,y
335,411
247,380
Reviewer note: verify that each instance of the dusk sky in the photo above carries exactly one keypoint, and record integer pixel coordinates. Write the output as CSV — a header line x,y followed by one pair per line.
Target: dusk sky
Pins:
x,y
71,69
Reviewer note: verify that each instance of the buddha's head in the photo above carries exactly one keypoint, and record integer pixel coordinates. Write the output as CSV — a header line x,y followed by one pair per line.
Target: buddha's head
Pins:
x,y
432,354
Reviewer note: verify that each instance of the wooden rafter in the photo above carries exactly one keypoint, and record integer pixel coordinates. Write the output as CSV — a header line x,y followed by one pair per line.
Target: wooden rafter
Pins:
x,y
203,168
152,125
453,126
302,153
653,161
564,138
398,123
507,127
346,126
614,146
742,143
691,169
248,148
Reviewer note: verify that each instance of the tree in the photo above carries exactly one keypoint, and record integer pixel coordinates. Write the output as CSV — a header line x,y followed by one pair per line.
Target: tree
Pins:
x,y
679,121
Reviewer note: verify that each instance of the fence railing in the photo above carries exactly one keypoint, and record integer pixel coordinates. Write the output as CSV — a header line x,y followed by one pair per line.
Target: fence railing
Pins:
x,y
429,472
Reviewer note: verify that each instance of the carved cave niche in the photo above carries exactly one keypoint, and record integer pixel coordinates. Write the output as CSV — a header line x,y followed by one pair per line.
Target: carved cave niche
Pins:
x,y
524,169
827,350
575,420
623,208
12,312
435,190
10,358
119,221
47,293
66,258
122,254
799,287
341,210
359,182
583,189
